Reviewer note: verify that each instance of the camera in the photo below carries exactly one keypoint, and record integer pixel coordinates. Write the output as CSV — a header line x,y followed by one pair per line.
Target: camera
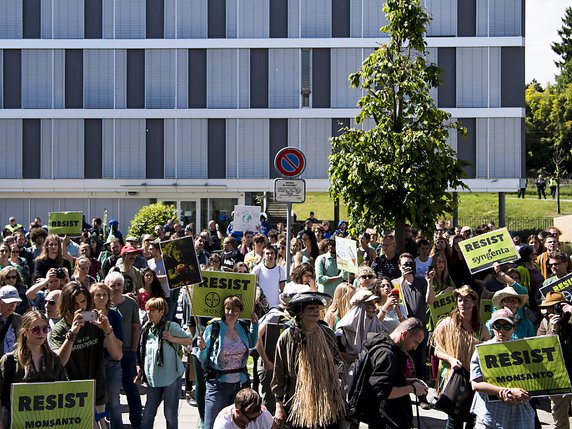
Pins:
x,y
60,273
408,264
557,308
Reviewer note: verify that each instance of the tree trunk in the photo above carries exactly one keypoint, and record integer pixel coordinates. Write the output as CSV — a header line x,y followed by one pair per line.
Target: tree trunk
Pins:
x,y
400,236
558,196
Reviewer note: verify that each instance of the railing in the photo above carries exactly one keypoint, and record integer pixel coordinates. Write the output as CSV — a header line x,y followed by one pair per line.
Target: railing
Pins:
x,y
512,223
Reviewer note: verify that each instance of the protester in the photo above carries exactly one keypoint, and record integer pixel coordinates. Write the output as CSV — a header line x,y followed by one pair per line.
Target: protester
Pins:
x,y
100,293
310,251
387,265
9,300
557,320
366,255
224,353
80,343
305,373
51,257
270,277
157,264
513,409
10,276
327,273
81,273
303,274
389,311
52,312
151,288
340,304
32,360
366,277
509,299
390,377
131,274
454,340
230,254
161,364
247,410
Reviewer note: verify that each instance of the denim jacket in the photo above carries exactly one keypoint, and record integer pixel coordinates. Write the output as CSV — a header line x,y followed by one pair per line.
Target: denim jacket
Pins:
x,y
248,338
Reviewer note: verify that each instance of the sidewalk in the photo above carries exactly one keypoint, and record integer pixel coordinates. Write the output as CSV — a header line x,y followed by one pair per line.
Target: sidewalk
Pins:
x,y
429,419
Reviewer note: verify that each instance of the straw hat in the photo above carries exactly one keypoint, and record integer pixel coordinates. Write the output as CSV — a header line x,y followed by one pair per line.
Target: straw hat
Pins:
x,y
508,292
552,298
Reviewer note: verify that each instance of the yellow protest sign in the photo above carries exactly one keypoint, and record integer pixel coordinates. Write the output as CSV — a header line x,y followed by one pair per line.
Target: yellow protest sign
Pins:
x,y
65,223
533,364
563,285
482,251
442,307
485,310
58,404
209,295
346,255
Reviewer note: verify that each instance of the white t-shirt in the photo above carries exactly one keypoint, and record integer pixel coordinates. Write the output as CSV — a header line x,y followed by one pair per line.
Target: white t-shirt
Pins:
x,y
269,281
224,420
421,267
160,270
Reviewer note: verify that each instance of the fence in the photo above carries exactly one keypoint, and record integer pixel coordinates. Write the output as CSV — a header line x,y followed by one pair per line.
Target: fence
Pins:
x,y
512,223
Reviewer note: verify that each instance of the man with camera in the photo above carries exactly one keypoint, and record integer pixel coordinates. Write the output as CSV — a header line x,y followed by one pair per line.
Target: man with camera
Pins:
x,y
557,321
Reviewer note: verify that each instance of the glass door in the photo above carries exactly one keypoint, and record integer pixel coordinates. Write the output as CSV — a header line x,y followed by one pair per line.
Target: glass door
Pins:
x,y
190,213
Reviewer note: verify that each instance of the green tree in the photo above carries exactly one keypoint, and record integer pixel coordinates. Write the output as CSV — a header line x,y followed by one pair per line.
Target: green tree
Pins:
x,y
150,215
400,169
564,50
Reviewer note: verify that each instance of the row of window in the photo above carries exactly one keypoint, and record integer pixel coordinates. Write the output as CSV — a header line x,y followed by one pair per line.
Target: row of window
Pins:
x,y
183,19
213,148
237,78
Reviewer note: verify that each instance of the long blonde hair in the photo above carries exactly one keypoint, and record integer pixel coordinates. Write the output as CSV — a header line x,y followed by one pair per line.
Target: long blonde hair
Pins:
x,y
22,352
341,302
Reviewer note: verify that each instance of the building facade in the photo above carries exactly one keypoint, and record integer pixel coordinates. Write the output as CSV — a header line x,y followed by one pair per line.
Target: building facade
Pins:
x,y
111,104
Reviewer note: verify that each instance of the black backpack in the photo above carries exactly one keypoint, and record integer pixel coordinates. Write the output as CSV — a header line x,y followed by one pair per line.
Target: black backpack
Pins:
x,y
359,389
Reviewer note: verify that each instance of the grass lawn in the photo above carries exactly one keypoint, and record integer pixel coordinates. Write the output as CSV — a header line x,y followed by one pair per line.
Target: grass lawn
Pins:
x,y
481,205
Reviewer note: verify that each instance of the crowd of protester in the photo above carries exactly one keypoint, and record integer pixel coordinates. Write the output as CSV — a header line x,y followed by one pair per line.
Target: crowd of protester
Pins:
x,y
99,307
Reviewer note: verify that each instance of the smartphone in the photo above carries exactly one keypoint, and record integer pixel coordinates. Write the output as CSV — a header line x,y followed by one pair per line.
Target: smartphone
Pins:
x,y
89,316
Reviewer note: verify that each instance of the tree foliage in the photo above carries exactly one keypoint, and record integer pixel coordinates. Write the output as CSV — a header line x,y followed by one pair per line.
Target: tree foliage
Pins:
x,y
150,215
548,127
564,50
401,168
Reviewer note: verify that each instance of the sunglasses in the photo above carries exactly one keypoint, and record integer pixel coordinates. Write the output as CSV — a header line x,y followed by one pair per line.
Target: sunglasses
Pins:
x,y
11,277
503,326
36,330
51,302
367,276
554,264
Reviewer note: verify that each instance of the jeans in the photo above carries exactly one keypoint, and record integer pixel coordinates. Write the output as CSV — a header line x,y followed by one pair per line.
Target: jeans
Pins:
x,y
113,383
170,396
218,396
129,368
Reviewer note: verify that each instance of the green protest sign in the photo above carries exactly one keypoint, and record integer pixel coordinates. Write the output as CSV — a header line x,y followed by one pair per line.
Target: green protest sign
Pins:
x,y
482,251
209,295
63,404
533,364
563,285
65,223
486,309
181,262
442,307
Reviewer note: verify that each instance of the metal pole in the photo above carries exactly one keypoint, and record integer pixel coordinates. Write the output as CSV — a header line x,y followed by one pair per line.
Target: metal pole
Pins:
x,y
288,234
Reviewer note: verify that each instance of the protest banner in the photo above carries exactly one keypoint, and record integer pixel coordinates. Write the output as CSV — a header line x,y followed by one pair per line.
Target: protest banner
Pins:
x,y
485,310
181,262
246,218
442,307
563,285
216,286
56,404
482,251
346,255
532,364
65,223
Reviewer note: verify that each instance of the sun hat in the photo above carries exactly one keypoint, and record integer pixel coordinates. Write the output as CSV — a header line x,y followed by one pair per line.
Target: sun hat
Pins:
x,y
302,299
362,296
552,298
508,292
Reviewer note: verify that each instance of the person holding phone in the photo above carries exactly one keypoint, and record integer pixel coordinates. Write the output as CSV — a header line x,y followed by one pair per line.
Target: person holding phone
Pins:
x,y
389,311
80,337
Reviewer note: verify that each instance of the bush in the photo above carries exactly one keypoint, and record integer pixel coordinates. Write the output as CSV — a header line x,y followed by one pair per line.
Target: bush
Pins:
x,y
149,216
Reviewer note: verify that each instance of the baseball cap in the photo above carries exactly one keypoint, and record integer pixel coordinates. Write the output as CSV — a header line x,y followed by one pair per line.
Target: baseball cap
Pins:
x,y
503,314
9,294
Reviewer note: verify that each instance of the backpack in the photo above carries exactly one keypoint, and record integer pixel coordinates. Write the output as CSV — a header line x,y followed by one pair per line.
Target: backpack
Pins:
x,y
359,397
210,372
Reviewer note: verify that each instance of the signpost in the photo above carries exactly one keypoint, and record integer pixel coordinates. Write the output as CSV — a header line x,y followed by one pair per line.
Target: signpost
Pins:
x,y
290,163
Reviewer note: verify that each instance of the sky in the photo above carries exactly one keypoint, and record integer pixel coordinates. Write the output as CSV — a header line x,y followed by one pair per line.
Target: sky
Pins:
x,y
543,19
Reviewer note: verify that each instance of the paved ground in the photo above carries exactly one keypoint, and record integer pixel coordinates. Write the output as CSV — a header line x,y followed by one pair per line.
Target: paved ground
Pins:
x,y
429,419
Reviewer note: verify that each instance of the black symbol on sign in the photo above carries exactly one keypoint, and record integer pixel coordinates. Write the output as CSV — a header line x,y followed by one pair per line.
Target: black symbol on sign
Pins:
x,y
212,300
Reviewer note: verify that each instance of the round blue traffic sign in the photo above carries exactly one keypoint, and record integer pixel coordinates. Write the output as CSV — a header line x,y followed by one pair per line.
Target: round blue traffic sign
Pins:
x,y
290,162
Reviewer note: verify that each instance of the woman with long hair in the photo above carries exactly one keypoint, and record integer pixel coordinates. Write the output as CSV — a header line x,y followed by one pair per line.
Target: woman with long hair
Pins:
x,y
455,339
20,263
303,274
101,294
224,354
389,311
32,360
310,251
51,257
161,364
340,304
281,258
151,288
81,273
442,282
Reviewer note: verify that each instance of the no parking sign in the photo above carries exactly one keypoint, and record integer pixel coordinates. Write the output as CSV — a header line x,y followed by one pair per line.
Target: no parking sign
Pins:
x,y
290,162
